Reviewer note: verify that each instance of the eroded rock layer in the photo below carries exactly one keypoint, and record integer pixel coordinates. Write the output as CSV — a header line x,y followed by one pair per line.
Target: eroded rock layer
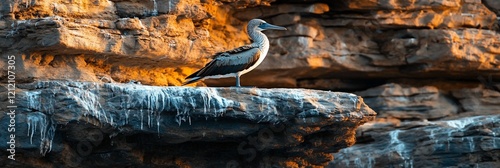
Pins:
x,y
466,142
167,40
419,63
439,125
80,124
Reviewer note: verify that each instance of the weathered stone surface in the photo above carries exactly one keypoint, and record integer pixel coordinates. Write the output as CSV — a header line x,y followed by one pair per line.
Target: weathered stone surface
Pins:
x,y
402,5
80,124
348,45
466,142
415,14
132,37
263,12
27,9
479,99
338,84
403,102
179,36
402,137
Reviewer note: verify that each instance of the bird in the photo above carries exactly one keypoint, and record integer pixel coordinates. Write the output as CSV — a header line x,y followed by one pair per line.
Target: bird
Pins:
x,y
238,61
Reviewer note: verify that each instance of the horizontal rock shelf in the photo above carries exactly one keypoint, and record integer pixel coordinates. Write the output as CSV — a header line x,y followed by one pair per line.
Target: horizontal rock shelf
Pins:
x,y
468,141
83,124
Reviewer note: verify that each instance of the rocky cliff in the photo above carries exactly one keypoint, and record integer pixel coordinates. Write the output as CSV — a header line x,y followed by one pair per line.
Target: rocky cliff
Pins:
x,y
81,124
160,42
429,68
424,127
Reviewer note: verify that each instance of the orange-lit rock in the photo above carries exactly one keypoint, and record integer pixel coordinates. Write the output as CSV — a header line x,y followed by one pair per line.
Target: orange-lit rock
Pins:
x,y
178,35
444,53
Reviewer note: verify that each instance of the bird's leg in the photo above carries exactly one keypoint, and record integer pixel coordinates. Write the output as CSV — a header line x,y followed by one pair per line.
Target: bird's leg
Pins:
x,y
238,80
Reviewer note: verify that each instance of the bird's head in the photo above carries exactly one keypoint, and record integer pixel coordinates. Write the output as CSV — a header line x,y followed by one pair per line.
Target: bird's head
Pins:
x,y
261,25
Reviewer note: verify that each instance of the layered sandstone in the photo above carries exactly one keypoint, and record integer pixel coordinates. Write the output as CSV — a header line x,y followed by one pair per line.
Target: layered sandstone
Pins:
x,y
125,40
423,65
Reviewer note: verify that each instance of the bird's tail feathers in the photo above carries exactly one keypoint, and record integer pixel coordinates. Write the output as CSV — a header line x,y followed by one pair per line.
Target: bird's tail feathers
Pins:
x,y
191,80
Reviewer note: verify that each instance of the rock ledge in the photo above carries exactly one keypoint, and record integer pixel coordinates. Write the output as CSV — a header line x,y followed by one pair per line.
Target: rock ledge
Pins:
x,y
83,124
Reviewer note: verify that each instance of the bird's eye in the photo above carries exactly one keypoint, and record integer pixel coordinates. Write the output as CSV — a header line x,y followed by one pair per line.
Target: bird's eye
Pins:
x,y
261,24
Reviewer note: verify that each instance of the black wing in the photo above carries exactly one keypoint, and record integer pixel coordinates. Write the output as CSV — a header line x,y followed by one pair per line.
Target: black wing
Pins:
x,y
231,61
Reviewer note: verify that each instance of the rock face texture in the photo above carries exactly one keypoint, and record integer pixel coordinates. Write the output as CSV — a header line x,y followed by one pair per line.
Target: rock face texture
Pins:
x,y
167,40
396,101
422,65
82,124
464,130
466,142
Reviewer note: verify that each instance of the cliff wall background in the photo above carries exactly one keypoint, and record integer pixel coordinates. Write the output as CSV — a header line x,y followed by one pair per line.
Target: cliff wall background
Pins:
x,y
429,68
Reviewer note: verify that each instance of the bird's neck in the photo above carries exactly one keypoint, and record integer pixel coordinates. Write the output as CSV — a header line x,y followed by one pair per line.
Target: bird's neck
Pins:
x,y
259,39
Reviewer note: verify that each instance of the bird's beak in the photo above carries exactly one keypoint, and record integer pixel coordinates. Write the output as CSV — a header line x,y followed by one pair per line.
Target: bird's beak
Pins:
x,y
267,26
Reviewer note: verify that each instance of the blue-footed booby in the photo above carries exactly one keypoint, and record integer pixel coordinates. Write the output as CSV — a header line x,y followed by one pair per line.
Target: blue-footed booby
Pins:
x,y
238,61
